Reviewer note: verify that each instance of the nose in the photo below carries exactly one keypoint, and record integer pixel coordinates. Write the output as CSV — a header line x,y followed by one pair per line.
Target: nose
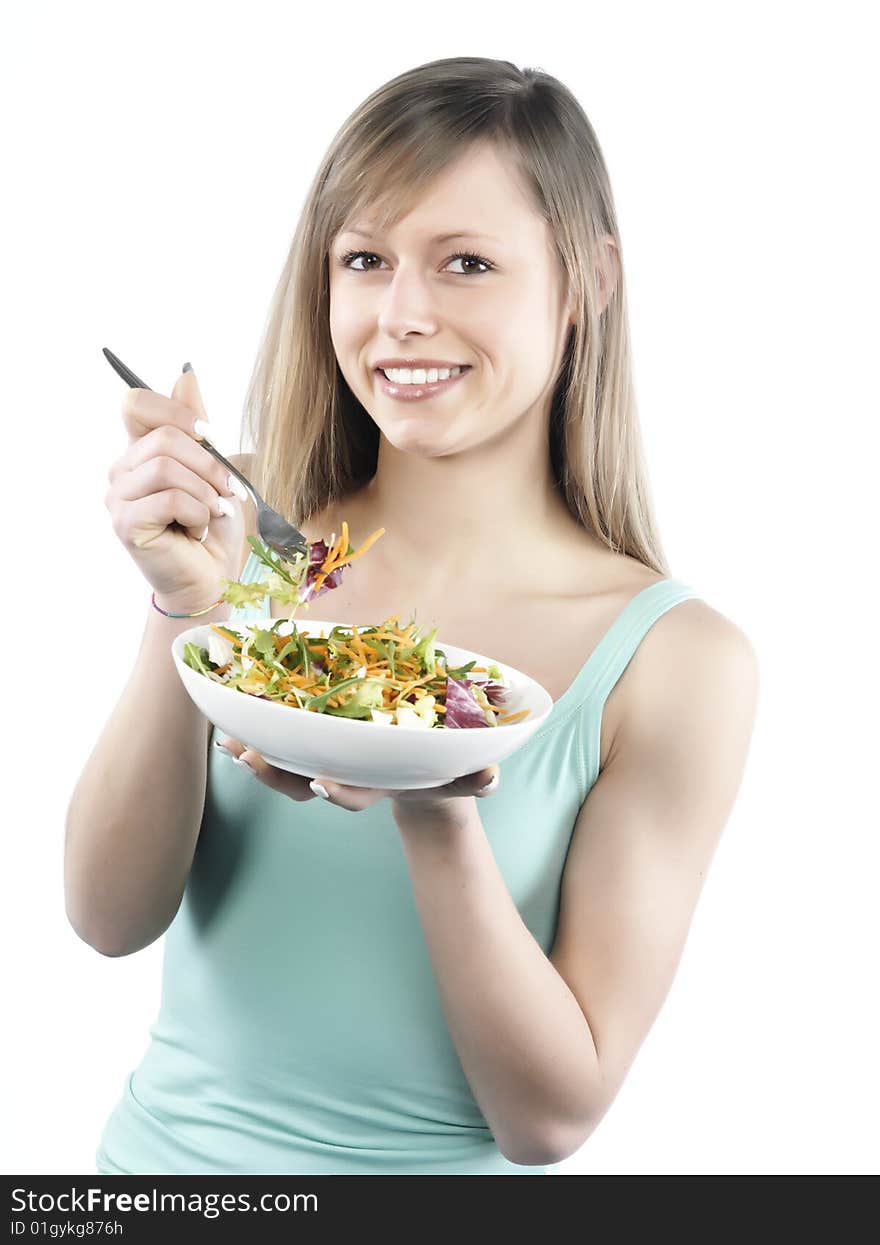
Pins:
x,y
407,305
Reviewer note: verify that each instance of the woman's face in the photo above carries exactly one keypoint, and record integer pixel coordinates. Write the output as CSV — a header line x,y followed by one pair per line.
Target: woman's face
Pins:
x,y
406,297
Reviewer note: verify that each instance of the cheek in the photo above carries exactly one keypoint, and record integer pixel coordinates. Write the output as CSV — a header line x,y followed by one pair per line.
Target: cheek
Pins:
x,y
345,310
511,320
340,320
531,340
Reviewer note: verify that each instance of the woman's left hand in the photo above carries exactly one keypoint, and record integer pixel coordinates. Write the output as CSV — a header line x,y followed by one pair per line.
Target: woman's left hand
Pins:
x,y
355,799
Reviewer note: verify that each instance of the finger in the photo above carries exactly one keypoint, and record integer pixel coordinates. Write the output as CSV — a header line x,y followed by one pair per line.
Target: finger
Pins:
x,y
480,784
144,409
355,799
491,783
172,443
161,473
140,522
292,785
186,390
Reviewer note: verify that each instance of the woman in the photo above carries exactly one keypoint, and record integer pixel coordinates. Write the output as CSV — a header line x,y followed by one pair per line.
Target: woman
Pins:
x,y
418,982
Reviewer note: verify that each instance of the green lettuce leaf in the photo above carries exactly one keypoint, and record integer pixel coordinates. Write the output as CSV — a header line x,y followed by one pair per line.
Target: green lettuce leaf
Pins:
x,y
362,701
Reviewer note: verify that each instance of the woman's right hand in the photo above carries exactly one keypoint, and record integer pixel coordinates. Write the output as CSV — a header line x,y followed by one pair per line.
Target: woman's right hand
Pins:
x,y
163,498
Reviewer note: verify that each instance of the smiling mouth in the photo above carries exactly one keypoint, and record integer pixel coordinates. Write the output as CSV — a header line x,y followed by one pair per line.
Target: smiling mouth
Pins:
x,y
417,391
458,368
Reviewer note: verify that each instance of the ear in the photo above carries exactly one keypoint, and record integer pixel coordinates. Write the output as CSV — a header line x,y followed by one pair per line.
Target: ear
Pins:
x,y
608,270
571,309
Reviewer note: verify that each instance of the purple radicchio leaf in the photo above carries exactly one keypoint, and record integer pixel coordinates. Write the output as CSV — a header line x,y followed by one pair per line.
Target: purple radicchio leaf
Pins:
x,y
496,693
318,551
461,708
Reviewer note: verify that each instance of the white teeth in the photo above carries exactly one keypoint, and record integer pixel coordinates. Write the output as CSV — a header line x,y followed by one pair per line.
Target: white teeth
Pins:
x,y
419,376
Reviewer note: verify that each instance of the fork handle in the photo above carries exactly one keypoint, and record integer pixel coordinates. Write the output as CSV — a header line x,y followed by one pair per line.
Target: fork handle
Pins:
x,y
134,382
257,499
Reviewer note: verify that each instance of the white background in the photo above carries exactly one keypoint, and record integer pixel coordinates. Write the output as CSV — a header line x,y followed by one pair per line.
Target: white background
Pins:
x,y
155,159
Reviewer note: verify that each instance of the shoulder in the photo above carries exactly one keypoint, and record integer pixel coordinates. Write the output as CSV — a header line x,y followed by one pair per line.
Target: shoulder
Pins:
x,y
694,632
691,651
693,665
693,637
694,623
688,632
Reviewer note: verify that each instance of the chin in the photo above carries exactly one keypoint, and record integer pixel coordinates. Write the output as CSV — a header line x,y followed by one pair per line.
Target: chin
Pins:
x,y
417,438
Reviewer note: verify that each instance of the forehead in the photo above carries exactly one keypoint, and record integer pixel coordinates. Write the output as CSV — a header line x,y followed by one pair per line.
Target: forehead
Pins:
x,y
479,195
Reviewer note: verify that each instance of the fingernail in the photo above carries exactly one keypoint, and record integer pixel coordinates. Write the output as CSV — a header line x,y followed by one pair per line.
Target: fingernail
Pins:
x,y
222,748
319,790
203,537
187,367
225,506
237,488
201,428
245,764
490,785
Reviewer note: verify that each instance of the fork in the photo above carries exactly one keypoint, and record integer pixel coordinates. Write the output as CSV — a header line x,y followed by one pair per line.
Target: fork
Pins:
x,y
274,531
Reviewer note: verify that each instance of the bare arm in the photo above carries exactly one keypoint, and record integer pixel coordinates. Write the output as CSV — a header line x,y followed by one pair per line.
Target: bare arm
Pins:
x,y
545,1042
134,818
135,813
649,829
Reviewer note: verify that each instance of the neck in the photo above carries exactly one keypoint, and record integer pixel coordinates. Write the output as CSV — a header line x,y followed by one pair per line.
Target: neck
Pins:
x,y
484,515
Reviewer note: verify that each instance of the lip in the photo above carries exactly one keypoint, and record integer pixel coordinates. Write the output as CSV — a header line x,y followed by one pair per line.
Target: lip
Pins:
x,y
417,393
417,363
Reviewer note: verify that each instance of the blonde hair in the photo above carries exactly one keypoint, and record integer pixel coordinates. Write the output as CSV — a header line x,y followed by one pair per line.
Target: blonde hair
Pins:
x,y
313,440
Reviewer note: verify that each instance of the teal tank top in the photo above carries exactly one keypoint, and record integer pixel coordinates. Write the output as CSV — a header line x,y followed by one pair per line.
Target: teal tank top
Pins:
x,y
299,1029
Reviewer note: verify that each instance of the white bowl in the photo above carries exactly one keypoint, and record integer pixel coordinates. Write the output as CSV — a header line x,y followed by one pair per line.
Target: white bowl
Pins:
x,y
354,751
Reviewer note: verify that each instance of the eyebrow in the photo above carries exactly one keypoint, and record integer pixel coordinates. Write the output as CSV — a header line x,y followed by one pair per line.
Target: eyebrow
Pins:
x,y
443,237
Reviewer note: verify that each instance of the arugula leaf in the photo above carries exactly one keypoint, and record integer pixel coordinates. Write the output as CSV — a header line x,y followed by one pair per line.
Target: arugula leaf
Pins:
x,y
460,671
273,560
320,700
197,658
264,644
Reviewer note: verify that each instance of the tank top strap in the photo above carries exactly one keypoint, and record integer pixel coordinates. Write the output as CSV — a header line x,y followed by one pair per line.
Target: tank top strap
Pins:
x,y
619,644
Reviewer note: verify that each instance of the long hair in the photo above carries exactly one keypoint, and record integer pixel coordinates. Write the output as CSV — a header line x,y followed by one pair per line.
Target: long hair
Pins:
x,y
313,441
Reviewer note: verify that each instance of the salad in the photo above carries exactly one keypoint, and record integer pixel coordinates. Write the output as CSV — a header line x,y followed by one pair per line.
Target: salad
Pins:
x,y
389,674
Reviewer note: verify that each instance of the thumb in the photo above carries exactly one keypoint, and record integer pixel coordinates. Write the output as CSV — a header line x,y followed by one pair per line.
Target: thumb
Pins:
x,y
485,781
186,390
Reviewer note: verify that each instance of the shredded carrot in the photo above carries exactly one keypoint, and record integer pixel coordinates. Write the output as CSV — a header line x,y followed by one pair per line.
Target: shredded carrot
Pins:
x,y
339,548
358,643
380,531
343,542
337,555
227,635
406,690
512,717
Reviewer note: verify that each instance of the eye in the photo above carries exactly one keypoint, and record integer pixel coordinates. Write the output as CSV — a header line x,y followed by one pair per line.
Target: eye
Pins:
x,y
346,261
471,258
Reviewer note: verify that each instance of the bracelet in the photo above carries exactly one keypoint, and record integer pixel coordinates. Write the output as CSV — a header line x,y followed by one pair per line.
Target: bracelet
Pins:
x,y
195,615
